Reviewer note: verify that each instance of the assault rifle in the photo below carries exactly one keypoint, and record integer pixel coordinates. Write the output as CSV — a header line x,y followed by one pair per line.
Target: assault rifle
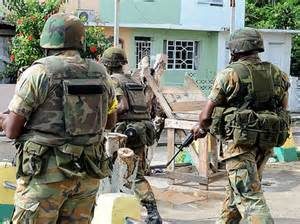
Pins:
x,y
186,142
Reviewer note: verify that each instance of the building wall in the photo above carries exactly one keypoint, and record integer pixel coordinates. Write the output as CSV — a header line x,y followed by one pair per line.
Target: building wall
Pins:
x,y
74,5
125,36
278,49
186,14
141,11
203,14
207,56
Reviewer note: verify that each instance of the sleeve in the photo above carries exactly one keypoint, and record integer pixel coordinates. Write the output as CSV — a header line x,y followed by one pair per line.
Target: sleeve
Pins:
x,y
112,99
285,81
118,88
225,87
31,91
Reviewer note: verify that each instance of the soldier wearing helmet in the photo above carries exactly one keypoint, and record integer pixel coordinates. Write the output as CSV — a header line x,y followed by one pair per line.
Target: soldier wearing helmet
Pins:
x,y
134,121
60,108
247,111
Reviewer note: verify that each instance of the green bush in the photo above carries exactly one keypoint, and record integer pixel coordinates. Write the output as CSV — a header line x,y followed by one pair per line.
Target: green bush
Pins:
x,y
280,14
29,17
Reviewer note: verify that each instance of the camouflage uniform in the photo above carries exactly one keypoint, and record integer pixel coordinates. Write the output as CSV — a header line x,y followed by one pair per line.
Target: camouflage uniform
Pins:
x,y
142,187
60,153
244,196
137,119
154,108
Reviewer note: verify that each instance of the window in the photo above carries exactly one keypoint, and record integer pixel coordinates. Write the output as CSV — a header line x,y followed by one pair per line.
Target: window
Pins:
x,y
181,54
142,48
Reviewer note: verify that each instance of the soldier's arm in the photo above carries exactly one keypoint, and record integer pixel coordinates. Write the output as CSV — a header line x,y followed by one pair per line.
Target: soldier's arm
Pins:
x,y
31,90
122,104
13,125
226,85
111,120
286,85
112,106
285,101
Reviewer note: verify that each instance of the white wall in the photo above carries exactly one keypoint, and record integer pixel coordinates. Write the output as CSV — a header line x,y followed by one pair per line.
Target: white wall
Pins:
x,y
277,51
294,94
199,13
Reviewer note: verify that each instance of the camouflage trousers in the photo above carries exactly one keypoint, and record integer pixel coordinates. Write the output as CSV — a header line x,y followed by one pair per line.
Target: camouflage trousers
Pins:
x,y
68,201
244,196
142,187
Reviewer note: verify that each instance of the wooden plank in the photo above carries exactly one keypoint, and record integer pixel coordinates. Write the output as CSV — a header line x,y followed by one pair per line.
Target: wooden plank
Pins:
x,y
162,101
203,157
180,90
167,109
171,148
184,176
213,149
187,106
179,124
192,116
216,176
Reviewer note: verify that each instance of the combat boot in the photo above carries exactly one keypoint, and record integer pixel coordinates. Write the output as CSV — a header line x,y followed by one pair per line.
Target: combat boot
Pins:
x,y
153,214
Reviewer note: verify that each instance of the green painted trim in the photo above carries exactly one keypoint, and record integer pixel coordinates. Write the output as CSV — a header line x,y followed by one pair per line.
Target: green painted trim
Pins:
x,y
6,212
141,11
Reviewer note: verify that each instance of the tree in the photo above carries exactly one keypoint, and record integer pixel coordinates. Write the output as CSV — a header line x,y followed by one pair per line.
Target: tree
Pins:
x,y
29,17
279,14
96,42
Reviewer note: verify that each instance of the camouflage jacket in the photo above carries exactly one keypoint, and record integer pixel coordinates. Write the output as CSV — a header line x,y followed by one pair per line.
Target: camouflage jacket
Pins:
x,y
227,88
54,96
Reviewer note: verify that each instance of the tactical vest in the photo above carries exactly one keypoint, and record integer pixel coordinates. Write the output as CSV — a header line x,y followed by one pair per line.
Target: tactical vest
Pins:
x,y
255,115
134,93
260,86
75,110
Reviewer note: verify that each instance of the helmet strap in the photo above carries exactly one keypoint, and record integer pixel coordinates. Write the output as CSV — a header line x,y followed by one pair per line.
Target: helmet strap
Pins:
x,y
236,56
118,69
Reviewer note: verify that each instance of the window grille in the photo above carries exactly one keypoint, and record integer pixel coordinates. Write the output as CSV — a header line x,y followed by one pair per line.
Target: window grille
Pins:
x,y
142,48
181,54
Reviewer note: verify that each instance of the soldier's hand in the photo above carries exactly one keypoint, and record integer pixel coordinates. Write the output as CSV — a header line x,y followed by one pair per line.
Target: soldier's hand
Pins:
x,y
198,132
2,118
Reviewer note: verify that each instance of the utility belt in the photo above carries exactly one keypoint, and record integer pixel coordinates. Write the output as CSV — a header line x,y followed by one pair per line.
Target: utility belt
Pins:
x,y
71,160
248,128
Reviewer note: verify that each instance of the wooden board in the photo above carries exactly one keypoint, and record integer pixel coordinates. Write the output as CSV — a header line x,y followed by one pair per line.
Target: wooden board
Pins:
x,y
185,177
187,106
179,124
189,116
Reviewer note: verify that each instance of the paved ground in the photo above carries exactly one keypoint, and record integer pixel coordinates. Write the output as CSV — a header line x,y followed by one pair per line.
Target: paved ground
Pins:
x,y
281,184
187,203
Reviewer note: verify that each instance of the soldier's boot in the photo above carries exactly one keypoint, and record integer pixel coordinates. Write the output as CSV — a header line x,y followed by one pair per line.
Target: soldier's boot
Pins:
x,y
153,214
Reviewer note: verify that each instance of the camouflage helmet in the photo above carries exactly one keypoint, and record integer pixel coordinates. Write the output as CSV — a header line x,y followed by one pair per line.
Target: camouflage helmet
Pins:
x,y
63,31
114,57
245,40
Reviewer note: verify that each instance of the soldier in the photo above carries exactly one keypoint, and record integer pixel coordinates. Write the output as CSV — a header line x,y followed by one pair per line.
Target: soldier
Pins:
x,y
60,108
247,107
134,121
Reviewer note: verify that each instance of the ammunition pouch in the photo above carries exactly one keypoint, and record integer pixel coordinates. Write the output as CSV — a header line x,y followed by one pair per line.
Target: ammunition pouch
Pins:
x,y
248,128
79,161
221,117
31,159
71,160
